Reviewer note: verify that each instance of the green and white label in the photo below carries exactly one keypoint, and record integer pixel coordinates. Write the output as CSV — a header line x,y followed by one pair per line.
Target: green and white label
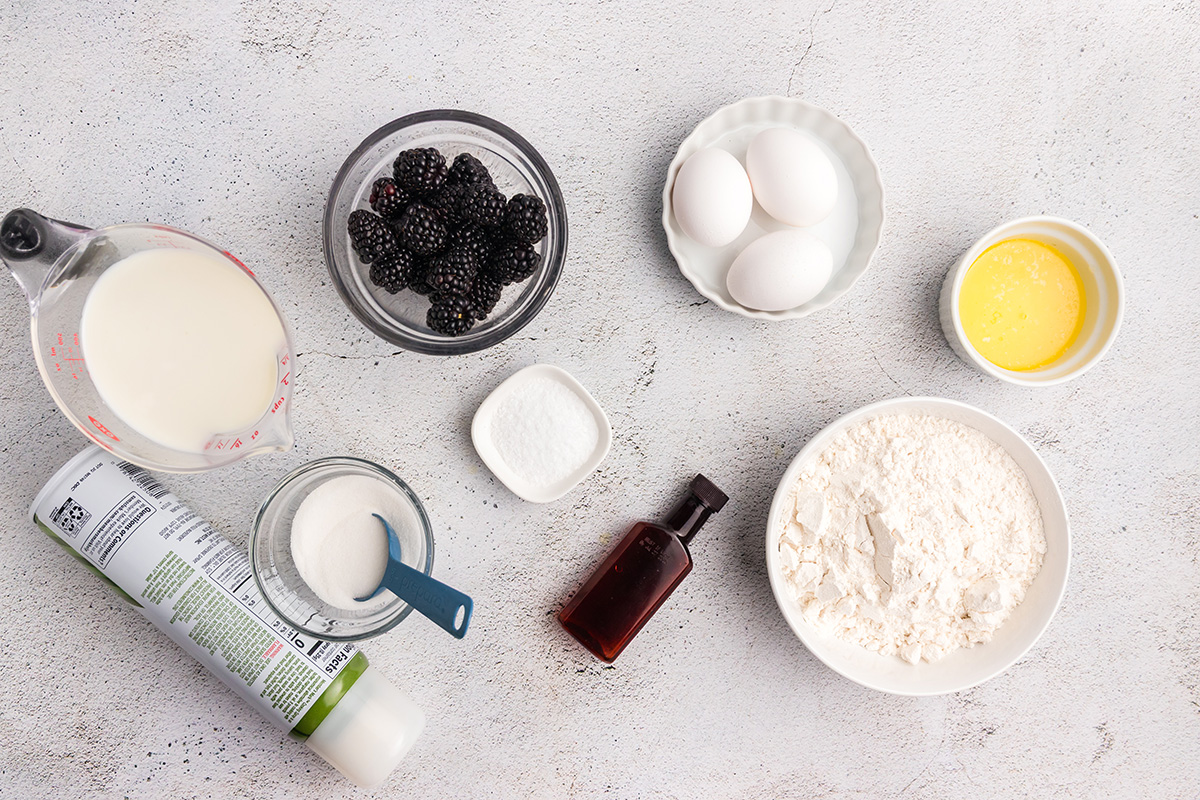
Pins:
x,y
192,583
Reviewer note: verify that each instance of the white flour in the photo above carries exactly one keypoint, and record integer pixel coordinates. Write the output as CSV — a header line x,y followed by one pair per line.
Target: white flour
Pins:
x,y
911,535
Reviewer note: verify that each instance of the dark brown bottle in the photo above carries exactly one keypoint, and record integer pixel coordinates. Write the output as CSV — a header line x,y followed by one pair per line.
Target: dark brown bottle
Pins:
x,y
639,574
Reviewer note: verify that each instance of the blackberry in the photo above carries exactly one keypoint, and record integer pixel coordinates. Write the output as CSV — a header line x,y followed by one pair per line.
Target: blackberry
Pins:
x,y
422,231
388,199
475,239
483,205
513,262
525,218
392,271
448,201
418,280
450,314
369,235
467,170
452,272
485,294
420,171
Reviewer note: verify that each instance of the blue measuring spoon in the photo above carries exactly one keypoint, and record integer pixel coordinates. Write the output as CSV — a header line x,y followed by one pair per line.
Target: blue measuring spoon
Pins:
x,y
447,607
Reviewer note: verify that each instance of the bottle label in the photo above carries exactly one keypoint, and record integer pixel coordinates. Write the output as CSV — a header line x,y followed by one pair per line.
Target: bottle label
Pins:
x,y
188,580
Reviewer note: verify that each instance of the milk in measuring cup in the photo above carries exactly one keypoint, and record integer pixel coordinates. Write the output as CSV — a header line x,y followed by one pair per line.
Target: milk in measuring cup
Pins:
x,y
182,346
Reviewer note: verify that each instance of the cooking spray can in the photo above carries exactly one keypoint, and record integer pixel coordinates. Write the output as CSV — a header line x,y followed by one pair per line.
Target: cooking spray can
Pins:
x,y
196,586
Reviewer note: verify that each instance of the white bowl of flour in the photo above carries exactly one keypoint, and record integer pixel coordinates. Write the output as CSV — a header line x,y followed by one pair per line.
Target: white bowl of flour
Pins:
x,y
918,546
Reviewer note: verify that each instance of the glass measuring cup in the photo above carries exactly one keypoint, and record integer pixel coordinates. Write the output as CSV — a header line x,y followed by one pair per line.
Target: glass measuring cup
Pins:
x,y
56,265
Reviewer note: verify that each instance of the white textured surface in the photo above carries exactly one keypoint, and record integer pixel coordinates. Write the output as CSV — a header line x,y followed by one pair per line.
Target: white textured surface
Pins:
x,y
230,120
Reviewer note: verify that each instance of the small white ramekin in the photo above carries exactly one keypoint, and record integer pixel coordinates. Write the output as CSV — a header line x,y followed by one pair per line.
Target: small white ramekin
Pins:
x,y
1103,290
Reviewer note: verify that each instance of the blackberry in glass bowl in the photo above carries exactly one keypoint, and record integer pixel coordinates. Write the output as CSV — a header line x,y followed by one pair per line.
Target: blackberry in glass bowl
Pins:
x,y
475,148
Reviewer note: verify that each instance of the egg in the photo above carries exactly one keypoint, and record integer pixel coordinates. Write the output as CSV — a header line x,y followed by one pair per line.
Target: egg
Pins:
x,y
712,199
793,180
779,271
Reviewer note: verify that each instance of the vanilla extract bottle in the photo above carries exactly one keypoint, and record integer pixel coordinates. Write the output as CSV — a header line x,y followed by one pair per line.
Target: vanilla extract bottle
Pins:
x,y
639,575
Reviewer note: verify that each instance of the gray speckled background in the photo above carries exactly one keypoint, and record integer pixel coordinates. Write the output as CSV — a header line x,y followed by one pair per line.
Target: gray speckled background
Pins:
x,y
231,119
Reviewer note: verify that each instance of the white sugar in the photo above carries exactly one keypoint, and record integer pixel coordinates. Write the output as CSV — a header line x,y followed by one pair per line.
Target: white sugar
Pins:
x,y
339,549
544,431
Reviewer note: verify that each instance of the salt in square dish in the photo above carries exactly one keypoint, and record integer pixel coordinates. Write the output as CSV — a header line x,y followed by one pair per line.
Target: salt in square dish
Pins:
x,y
481,434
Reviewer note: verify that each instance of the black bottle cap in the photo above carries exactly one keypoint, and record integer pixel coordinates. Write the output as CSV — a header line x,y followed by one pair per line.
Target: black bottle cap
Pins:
x,y
707,493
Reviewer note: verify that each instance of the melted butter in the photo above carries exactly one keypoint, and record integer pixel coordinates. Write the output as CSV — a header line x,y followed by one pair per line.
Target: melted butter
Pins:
x,y
1022,304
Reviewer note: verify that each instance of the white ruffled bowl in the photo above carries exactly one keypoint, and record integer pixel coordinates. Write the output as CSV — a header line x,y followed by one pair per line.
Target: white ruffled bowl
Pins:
x,y
851,231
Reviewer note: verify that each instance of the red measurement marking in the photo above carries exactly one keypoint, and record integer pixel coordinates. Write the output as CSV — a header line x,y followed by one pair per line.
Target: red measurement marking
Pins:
x,y
254,436
100,427
162,241
284,379
238,261
236,444
105,444
278,403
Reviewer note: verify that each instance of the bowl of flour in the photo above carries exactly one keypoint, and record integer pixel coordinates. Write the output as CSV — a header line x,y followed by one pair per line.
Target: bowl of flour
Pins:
x,y
918,546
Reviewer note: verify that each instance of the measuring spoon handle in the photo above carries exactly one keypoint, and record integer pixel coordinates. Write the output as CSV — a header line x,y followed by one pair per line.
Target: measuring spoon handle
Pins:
x,y
445,605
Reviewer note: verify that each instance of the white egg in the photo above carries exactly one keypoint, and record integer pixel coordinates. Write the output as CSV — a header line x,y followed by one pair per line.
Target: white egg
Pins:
x,y
793,179
779,271
712,199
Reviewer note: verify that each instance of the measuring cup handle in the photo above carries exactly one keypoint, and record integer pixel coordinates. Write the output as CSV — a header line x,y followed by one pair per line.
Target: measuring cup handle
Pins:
x,y
30,244
437,601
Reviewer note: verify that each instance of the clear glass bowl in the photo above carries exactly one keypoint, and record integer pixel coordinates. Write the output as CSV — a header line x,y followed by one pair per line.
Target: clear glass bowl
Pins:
x,y
516,168
278,579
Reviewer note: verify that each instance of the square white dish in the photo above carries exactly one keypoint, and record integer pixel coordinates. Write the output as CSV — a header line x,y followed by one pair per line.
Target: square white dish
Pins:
x,y
852,231
481,434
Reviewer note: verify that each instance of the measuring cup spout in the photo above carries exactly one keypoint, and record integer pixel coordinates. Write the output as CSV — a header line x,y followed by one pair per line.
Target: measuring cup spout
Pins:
x,y
279,438
30,244
274,431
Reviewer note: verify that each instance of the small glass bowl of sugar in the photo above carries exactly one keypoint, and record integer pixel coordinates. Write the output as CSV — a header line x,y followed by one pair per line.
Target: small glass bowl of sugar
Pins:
x,y
541,433
315,547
